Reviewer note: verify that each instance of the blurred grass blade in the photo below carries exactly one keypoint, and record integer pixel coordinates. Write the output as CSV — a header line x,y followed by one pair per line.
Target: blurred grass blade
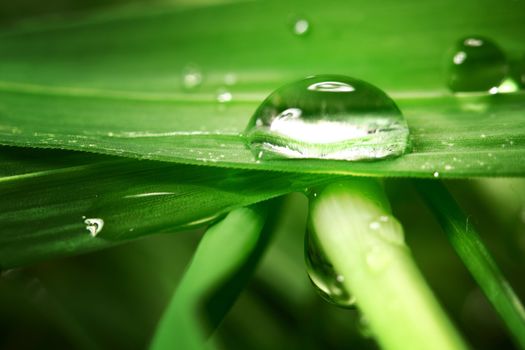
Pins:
x,y
44,214
114,84
223,262
468,245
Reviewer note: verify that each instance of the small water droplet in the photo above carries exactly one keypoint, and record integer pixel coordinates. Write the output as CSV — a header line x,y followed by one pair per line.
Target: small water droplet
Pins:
x,y
224,96
301,26
191,77
436,174
377,259
327,281
230,79
374,225
94,225
328,117
478,64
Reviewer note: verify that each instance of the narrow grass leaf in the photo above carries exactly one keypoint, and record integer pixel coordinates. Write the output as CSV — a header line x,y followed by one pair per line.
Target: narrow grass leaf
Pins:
x,y
466,241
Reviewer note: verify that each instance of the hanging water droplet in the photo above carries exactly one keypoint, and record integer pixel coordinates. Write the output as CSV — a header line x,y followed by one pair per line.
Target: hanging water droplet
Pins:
x,y
191,76
328,117
327,281
301,26
478,64
94,225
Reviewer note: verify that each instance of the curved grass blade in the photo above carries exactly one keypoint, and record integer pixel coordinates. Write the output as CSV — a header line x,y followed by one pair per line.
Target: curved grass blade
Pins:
x,y
87,207
223,262
376,266
468,245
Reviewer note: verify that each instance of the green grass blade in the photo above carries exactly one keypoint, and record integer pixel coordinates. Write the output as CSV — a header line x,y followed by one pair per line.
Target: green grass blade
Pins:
x,y
447,137
478,260
377,268
222,254
43,214
113,83
146,50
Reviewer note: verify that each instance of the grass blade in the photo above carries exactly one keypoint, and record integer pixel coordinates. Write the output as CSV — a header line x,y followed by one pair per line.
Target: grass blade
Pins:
x,y
476,257
447,137
219,266
376,267
43,214
114,84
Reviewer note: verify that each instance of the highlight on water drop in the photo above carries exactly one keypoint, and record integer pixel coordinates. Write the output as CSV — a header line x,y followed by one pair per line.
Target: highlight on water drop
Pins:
x,y
94,226
328,117
477,64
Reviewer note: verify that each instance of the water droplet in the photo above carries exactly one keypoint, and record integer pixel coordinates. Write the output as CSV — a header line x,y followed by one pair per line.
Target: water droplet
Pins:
x,y
230,79
377,259
374,225
191,77
328,117
478,64
224,96
327,281
94,225
436,174
301,27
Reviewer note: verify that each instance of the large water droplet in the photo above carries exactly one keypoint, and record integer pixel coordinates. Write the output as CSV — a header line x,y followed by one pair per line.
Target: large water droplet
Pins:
x,y
328,117
477,64
94,226
327,281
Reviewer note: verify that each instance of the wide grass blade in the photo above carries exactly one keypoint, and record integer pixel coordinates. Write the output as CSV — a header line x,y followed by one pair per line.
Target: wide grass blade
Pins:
x,y
476,257
114,83
50,213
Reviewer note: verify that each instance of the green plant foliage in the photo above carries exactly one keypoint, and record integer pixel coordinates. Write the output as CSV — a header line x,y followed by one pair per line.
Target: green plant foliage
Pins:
x,y
43,214
156,99
468,245
115,84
